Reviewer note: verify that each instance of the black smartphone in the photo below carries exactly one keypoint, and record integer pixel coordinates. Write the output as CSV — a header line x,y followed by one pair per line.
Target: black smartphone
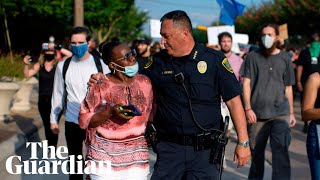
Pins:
x,y
33,59
135,111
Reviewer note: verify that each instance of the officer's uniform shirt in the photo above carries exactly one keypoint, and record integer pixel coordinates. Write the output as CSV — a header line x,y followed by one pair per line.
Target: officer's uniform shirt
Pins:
x,y
144,62
208,76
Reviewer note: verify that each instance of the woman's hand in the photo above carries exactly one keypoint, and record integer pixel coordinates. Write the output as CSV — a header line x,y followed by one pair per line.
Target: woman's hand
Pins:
x,y
118,111
26,60
94,79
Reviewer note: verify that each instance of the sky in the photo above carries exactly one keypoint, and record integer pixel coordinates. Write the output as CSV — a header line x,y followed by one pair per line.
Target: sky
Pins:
x,y
201,12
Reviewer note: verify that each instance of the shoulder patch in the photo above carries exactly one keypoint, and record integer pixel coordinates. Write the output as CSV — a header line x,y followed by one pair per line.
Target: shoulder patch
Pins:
x,y
226,65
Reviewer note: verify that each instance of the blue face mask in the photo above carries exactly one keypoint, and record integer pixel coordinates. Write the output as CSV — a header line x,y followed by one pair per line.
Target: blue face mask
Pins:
x,y
129,71
80,50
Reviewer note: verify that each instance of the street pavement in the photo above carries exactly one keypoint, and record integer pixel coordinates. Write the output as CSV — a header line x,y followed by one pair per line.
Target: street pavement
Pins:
x,y
27,127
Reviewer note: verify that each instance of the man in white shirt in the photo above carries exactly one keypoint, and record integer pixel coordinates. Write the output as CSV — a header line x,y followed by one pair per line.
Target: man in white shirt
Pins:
x,y
81,66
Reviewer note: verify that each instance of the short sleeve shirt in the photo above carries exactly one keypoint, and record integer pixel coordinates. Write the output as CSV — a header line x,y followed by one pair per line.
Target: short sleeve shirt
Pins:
x,y
309,65
207,78
269,77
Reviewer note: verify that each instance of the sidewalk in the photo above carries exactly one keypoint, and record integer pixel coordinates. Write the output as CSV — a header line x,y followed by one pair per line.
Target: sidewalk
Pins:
x,y
26,125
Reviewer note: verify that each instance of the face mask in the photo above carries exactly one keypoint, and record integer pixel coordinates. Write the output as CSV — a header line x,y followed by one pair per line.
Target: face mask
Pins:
x,y
129,71
80,50
290,55
49,57
267,41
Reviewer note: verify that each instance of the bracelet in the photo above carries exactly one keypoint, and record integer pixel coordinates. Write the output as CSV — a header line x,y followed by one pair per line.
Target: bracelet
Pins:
x,y
248,109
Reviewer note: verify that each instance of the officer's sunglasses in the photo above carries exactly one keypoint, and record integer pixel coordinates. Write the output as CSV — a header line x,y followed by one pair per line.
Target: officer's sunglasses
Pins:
x,y
128,56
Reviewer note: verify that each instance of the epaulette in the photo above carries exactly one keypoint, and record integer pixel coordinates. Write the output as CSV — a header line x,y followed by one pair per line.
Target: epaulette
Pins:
x,y
219,54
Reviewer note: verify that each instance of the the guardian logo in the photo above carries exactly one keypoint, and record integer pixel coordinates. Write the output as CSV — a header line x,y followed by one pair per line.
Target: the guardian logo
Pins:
x,y
66,164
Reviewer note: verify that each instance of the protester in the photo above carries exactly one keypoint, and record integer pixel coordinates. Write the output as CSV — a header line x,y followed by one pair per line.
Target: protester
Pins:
x,y
92,46
70,88
112,135
268,101
311,112
308,63
156,47
45,66
190,80
144,53
225,43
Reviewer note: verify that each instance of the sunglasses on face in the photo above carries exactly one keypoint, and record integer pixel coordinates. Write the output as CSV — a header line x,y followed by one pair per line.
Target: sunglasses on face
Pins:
x,y
128,55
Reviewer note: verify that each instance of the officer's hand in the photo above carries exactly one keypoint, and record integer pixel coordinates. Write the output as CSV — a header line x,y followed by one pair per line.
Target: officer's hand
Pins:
x,y
242,155
251,116
54,128
292,120
118,111
94,79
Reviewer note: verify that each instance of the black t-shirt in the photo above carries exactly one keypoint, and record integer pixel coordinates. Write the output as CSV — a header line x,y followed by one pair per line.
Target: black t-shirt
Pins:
x,y
46,81
309,66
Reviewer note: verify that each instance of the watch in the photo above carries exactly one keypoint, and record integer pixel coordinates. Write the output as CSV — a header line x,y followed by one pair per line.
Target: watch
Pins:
x,y
244,144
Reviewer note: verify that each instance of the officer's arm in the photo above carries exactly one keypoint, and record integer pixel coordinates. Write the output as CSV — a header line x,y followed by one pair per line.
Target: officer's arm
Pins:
x,y
242,154
238,118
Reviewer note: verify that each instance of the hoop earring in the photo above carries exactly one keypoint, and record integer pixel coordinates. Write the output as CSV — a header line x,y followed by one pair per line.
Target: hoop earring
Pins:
x,y
114,71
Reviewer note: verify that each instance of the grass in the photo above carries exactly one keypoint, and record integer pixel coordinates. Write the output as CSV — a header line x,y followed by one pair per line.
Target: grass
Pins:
x,y
9,69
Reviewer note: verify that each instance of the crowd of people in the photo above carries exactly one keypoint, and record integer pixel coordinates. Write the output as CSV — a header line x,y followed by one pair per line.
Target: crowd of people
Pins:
x,y
184,92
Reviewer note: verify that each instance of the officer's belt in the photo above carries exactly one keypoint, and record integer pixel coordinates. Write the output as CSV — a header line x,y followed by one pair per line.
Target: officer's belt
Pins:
x,y
187,140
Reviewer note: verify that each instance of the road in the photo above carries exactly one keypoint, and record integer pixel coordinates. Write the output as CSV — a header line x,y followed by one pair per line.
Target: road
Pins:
x,y
299,161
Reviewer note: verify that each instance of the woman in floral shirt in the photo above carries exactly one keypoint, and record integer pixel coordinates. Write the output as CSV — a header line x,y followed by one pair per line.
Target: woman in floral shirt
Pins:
x,y
110,134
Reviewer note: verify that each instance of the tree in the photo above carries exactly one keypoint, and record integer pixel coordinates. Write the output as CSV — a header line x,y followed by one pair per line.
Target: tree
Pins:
x,y
110,18
32,21
302,17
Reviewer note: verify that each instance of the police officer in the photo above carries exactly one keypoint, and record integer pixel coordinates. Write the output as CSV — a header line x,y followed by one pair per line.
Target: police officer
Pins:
x,y
190,79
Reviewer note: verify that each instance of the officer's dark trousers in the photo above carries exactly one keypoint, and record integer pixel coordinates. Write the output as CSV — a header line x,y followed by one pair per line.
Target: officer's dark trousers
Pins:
x,y
74,137
279,132
175,162
44,106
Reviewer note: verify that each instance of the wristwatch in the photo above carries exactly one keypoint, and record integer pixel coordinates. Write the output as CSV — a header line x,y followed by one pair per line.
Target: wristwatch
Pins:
x,y
244,144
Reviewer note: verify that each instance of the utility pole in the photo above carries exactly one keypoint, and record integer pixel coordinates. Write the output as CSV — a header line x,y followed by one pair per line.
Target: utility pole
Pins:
x,y
78,12
8,35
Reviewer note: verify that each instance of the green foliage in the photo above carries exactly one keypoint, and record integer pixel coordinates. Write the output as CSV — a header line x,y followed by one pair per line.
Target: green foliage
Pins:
x,y
200,36
110,18
14,69
31,22
302,17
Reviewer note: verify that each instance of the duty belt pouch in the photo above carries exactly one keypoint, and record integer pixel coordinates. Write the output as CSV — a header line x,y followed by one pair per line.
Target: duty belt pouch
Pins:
x,y
217,148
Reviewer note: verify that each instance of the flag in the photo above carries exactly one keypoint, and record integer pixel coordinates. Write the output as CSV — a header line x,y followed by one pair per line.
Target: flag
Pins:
x,y
230,9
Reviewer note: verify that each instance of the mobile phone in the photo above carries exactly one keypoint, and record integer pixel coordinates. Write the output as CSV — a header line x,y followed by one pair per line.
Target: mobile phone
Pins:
x,y
135,111
33,59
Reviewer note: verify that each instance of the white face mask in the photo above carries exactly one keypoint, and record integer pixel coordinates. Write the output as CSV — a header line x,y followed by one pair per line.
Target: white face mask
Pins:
x,y
267,41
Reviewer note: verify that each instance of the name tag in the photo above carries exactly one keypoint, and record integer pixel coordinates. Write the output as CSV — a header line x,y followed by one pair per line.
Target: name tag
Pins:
x,y
167,72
